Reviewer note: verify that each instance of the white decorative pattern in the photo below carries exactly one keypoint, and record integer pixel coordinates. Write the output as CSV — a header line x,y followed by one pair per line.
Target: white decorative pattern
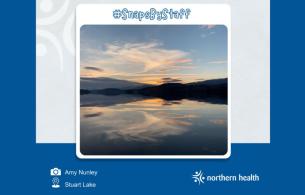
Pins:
x,y
68,34
55,69
46,6
46,24
53,40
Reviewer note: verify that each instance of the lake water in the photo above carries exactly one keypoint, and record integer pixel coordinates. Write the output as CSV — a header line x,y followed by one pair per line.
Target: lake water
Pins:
x,y
128,125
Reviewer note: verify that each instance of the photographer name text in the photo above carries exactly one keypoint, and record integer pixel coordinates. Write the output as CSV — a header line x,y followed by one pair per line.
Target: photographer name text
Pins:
x,y
81,172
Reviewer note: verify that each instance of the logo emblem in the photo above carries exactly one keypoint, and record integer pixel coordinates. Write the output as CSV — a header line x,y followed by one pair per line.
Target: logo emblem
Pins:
x,y
198,177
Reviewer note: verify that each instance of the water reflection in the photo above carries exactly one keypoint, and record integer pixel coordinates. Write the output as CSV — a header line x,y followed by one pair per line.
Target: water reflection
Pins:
x,y
152,126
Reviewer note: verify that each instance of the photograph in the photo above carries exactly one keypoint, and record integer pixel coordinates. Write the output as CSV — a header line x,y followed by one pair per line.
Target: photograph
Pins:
x,y
156,90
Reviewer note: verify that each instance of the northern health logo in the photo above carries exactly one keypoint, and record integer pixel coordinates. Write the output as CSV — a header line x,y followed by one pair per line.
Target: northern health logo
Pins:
x,y
198,177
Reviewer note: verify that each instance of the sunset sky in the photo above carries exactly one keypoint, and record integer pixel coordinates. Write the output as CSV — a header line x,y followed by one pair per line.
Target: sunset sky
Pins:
x,y
154,54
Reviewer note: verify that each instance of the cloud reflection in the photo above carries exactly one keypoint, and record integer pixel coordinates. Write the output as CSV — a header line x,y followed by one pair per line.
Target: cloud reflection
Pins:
x,y
139,126
220,122
149,120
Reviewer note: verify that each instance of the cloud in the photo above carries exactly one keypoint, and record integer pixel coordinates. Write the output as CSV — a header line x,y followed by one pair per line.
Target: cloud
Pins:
x,y
146,62
89,71
149,56
157,79
93,115
218,62
207,34
207,30
171,80
207,26
211,26
93,68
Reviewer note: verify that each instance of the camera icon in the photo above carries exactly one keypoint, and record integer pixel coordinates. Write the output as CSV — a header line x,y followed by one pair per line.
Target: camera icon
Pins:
x,y
55,172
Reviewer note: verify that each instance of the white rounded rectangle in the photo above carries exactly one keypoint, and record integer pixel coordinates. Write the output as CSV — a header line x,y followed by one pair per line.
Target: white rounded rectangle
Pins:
x,y
200,14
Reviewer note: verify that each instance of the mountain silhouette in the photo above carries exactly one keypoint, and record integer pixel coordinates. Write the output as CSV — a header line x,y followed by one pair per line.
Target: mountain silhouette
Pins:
x,y
176,91
104,83
215,90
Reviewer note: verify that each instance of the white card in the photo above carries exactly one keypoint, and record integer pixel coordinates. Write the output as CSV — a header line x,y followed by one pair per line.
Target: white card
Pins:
x,y
153,81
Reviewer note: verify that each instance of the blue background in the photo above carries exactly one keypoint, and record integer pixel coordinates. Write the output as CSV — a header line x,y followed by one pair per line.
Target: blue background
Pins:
x,y
25,165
